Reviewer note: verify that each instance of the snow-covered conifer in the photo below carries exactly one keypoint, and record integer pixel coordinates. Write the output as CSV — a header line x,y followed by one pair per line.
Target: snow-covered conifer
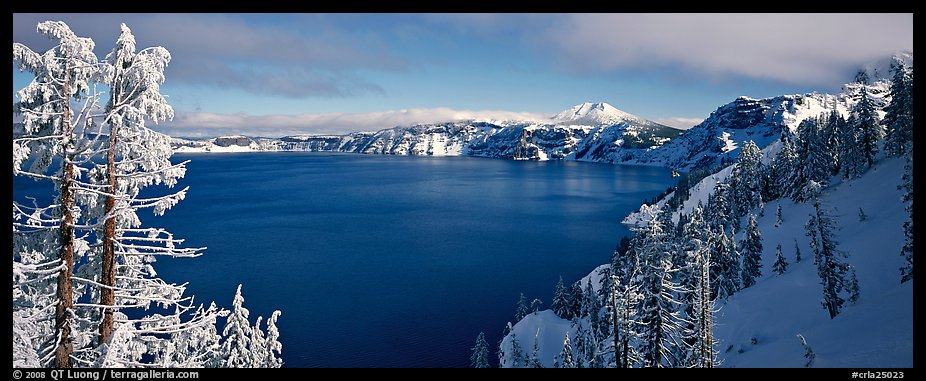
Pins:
x,y
781,265
480,356
752,253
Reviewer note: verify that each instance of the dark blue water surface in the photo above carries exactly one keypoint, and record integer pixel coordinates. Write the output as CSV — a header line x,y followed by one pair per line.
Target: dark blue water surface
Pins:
x,y
383,261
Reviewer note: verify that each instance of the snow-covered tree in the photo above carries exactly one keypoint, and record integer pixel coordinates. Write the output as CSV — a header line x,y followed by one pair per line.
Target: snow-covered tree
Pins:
x,y
535,305
828,258
517,353
534,360
237,333
797,252
521,312
898,116
751,248
561,302
98,180
781,265
906,271
657,315
699,305
781,171
852,287
565,357
55,108
480,356
725,265
868,130
808,352
830,134
778,220
745,192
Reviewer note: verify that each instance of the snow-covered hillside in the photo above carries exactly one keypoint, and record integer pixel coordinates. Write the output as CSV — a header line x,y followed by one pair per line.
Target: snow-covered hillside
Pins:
x,y
757,326
588,130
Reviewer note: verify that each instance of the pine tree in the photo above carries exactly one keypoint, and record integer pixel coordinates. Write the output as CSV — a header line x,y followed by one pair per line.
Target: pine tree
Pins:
x,y
564,358
522,308
534,361
577,302
797,252
850,155
535,305
808,352
726,269
699,306
237,335
868,129
752,253
906,271
560,304
778,220
517,353
480,356
781,265
830,139
782,170
852,287
54,133
744,180
898,116
657,314
831,269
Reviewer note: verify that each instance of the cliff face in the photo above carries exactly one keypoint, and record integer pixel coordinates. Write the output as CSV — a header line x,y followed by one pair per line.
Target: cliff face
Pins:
x,y
594,132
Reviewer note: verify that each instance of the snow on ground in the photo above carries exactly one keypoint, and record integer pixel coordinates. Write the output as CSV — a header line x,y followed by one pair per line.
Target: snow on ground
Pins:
x,y
877,331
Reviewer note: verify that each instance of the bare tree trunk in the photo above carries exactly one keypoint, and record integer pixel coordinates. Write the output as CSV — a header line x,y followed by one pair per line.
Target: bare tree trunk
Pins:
x,y
107,293
65,296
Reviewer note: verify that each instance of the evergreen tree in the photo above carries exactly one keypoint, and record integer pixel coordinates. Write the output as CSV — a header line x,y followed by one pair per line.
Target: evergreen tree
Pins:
x,y
564,359
535,305
850,155
778,220
781,265
852,287
831,269
752,253
237,333
593,308
98,178
782,170
561,303
726,269
906,271
745,194
522,308
517,353
699,306
577,302
657,316
830,139
808,352
797,252
868,129
480,356
534,361
898,116
55,134
813,164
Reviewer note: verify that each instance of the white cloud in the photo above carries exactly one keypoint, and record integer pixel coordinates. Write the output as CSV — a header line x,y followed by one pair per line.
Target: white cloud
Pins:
x,y
682,123
799,48
193,124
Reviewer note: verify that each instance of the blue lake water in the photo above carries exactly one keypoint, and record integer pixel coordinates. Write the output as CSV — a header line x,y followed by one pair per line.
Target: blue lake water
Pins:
x,y
383,261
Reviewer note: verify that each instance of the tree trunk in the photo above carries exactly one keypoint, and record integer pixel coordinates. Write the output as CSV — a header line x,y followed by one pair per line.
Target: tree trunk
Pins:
x,y
65,296
107,293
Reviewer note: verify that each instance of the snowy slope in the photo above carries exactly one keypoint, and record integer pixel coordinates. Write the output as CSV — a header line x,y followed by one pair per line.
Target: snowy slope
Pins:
x,y
877,331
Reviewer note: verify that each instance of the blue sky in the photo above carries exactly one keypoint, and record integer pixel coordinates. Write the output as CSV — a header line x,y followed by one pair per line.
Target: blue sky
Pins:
x,y
279,74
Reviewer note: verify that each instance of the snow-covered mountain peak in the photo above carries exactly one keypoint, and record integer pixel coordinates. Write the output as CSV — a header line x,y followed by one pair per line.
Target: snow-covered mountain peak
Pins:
x,y
598,113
